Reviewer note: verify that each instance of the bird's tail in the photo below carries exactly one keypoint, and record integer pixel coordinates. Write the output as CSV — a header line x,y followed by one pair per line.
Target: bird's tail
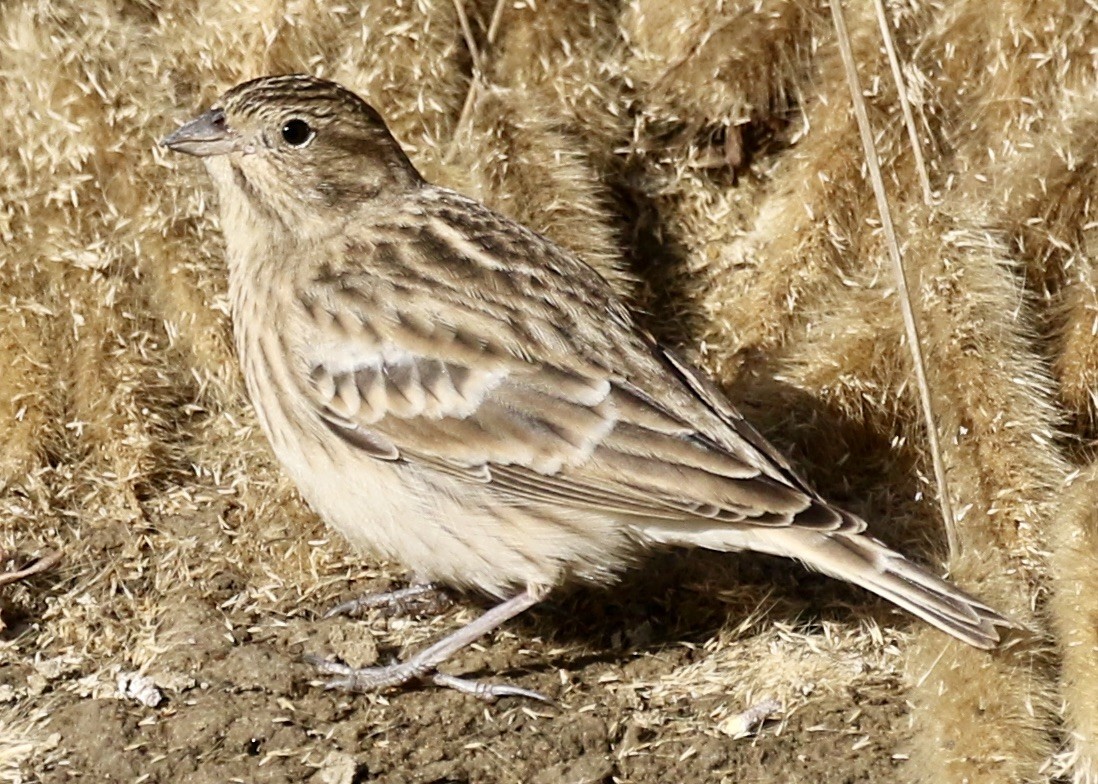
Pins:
x,y
862,560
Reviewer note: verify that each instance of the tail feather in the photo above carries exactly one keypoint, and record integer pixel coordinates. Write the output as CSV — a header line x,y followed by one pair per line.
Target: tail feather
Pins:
x,y
867,562
859,559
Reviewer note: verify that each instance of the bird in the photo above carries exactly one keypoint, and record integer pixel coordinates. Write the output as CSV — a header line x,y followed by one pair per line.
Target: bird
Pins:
x,y
456,392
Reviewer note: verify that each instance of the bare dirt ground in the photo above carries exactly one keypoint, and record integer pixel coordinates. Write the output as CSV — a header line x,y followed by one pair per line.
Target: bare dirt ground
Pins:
x,y
704,158
639,696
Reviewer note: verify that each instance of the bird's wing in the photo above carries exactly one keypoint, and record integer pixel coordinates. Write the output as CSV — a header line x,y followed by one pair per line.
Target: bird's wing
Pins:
x,y
471,344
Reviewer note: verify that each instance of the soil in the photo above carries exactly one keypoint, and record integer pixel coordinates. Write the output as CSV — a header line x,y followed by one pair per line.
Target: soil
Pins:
x,y
241,731
238,702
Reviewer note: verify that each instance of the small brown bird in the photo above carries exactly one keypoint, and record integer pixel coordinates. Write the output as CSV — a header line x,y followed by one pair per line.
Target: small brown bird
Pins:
x,y
458,393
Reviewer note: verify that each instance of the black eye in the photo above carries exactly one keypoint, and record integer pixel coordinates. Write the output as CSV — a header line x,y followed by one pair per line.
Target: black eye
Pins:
x,y
297,133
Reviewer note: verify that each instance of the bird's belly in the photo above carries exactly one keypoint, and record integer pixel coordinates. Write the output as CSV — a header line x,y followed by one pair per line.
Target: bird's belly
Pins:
x,y
447,530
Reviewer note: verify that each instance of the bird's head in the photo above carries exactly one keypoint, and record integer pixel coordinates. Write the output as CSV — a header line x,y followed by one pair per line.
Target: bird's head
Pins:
x,y
294,147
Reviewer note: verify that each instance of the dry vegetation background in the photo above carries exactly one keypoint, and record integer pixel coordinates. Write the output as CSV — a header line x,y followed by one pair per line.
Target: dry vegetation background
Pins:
x,y
703,155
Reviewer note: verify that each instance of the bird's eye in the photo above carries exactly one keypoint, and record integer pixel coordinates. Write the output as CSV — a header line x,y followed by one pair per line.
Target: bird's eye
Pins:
x,y
297,133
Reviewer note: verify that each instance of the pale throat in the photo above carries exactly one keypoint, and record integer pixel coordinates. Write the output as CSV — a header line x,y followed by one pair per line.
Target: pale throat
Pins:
x,y
255,233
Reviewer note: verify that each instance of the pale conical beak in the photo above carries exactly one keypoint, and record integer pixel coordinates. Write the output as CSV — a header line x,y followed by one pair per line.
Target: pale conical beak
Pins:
x,y
206,135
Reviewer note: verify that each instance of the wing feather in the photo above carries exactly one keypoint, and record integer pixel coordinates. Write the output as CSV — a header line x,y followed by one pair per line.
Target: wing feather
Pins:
x,y
489,370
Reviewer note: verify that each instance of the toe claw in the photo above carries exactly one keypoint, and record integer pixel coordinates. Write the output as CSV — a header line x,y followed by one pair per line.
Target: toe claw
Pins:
x,y
327,666
419,598
423,665
381,678
487,691
348,608
345,677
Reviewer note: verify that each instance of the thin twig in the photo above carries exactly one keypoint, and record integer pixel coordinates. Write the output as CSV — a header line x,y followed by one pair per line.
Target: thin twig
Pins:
x,y
467,33
43,564
905,105
910,327
493,25
474,53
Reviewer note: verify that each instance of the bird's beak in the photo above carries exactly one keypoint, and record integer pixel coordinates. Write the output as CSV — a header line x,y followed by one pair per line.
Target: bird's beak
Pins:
x,y
206,135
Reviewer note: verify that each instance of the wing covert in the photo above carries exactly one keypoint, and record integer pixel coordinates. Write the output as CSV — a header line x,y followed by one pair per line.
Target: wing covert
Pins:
x,y
486,368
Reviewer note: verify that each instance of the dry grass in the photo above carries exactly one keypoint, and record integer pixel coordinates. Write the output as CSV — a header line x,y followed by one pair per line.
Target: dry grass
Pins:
x,y
703,156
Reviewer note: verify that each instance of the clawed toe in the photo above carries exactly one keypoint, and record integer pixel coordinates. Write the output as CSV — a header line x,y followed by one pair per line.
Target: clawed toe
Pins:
x,y
419,599
373,679
425,663
344,675
489,692
366,679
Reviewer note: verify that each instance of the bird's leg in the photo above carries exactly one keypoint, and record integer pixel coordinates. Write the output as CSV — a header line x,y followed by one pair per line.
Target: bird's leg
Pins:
x,y
419,597
427,660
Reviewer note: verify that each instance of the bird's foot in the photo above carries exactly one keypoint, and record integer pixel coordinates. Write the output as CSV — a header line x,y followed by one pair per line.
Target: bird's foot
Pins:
x,y
373,679
424,665
417,599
